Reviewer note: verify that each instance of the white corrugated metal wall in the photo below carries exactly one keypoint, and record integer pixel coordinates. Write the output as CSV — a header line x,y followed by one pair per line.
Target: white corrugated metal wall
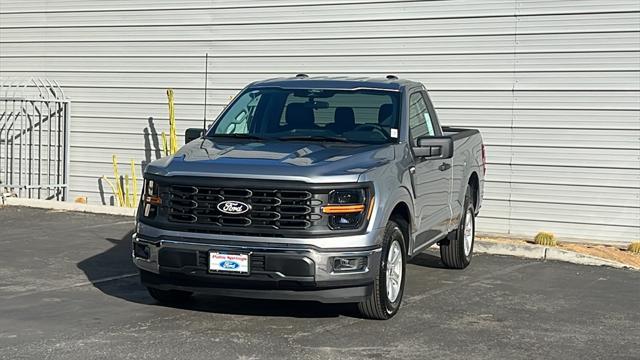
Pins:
x,y
553,85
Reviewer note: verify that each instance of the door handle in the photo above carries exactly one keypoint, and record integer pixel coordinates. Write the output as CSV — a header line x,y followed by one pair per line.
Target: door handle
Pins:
x,y
444,166
412,169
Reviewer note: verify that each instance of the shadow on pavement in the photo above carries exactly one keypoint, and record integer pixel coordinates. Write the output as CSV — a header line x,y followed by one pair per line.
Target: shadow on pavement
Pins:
x,y
428,260
105,271
257,307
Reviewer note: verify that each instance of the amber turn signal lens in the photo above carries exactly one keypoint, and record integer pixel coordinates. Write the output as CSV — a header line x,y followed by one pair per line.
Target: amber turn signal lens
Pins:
x,y
153,200
343,209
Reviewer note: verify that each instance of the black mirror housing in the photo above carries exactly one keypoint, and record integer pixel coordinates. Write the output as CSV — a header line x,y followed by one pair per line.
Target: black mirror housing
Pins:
x,y
192,134
434,147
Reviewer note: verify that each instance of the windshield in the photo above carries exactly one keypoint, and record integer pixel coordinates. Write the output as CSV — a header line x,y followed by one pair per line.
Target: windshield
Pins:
x,y
360,116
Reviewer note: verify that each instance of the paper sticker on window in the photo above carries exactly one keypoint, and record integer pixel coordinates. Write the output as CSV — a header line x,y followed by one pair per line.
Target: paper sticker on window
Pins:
x,y
394,133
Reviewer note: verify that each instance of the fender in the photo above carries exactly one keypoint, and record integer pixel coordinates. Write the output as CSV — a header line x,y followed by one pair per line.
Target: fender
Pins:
x,y
460,183
400,195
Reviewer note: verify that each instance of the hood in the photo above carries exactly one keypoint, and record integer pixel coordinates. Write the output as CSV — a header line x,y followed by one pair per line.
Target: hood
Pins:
x,y
292,160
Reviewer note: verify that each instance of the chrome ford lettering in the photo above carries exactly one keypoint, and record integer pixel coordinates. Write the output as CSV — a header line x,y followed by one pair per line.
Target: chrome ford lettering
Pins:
x,y
233,207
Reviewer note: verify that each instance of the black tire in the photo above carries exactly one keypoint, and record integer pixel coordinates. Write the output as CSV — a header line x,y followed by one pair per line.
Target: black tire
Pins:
x,y
378,306
452,250
172,297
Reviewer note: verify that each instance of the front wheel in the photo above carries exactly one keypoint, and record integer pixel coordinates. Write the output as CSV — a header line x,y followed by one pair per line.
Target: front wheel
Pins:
x,y
456,250
388,286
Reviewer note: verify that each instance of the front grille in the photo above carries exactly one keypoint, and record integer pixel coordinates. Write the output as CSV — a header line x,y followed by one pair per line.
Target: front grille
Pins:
x,y
271,209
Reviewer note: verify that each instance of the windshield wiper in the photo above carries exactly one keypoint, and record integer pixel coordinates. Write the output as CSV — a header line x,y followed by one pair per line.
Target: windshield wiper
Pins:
x,y
313,138
237,136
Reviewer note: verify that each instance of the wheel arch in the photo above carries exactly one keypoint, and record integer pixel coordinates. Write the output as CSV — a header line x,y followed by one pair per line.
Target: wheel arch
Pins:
x,y
402,211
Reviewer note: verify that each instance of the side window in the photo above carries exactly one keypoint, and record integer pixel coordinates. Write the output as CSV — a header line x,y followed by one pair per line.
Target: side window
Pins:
x,y
427,120
431,118
419,120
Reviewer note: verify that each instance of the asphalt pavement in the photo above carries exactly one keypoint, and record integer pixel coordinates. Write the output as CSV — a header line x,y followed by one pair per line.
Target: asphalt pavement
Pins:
x,y
68,290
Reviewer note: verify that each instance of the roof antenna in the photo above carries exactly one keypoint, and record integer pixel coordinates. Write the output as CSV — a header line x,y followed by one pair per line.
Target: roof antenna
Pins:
x,y
206,77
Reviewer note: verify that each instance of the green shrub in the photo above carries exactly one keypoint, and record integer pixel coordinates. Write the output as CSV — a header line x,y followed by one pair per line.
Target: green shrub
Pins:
x,y
634,247
545,238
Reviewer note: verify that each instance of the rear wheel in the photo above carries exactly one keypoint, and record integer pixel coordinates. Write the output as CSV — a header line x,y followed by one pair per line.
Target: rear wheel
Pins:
x,y
169,296
388,286
457,249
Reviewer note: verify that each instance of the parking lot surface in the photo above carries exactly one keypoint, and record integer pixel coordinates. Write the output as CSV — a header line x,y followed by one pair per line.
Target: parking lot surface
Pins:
x,y
68,290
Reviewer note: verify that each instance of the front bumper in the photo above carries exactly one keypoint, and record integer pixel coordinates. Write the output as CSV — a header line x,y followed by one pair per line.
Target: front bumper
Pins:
x,y
278,270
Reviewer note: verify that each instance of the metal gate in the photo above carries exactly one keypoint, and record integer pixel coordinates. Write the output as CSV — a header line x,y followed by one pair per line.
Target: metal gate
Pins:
x,y
34,139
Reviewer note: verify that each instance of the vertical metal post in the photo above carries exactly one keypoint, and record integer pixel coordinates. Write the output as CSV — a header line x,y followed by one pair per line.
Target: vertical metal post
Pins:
x,y
2,139
67,126
39,111
49,129
12,140
20,143
31,130
57,148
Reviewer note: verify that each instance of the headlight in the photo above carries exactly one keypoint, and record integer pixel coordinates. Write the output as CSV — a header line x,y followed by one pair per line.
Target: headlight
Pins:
x,y
347,208
150,198
350,196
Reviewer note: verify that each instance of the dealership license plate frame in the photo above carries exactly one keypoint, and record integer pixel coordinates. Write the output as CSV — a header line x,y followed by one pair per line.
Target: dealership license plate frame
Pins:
x,y
232,272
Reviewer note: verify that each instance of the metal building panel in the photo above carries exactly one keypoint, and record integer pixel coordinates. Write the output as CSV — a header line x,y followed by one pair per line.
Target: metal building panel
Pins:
x,y
580,231
566,213
578,138
613,100
569,157
236,80
240,15
577,119
375,64
540,7
578,61
609,197
586,22
576,176
24,29
553,85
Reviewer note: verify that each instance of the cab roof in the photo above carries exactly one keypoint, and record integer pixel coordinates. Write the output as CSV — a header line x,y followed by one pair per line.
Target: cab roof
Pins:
x,y
302,81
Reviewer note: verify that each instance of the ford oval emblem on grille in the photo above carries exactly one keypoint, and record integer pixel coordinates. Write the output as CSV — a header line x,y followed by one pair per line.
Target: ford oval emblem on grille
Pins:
x,y
233,207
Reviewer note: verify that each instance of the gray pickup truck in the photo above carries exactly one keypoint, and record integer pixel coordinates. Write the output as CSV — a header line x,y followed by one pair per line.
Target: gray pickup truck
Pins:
x,y
311,189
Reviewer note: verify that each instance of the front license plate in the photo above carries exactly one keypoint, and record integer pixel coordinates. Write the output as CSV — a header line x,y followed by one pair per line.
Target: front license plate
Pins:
x,y
233,263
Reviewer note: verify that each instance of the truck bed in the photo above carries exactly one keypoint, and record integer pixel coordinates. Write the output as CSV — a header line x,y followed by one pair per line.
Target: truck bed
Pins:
x,y
458,133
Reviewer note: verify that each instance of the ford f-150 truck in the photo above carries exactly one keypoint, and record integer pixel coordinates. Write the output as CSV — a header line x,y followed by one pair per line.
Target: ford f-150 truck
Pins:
x,y
311,189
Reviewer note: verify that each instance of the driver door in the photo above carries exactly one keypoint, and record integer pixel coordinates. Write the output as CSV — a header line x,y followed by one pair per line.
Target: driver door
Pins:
x,y
431,179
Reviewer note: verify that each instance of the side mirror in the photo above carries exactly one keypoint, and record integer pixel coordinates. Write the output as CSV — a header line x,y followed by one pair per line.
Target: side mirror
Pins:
x,y
434,147
192,134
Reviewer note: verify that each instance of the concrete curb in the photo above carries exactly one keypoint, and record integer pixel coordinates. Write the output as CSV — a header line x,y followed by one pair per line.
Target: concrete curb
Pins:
x,y
538,252
69,206
521,250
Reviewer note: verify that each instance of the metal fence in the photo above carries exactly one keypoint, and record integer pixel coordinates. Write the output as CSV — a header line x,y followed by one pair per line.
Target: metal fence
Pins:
x,y
34,139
